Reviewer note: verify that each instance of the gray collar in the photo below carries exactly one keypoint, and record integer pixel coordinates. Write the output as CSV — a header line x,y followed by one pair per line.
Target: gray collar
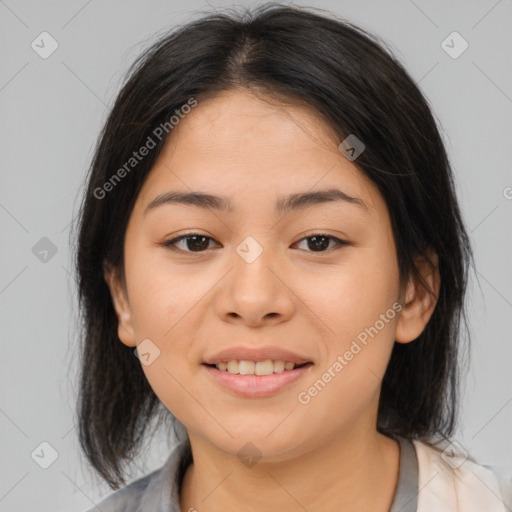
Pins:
x,y
406,495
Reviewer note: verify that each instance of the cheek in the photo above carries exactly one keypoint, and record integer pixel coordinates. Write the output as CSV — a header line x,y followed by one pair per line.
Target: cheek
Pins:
x,y
358,308
160,294
171,384
164,303
359,291
355,357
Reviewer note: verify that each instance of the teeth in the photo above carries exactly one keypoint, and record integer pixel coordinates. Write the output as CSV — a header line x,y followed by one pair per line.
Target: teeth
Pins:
x,y
279,366
232,366
244,367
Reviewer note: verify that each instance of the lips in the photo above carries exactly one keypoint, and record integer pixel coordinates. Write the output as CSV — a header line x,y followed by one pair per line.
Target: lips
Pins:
x,y
254,386
256,354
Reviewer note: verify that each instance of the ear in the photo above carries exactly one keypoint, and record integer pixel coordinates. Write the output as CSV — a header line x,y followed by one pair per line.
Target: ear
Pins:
x,y
419,303
118,292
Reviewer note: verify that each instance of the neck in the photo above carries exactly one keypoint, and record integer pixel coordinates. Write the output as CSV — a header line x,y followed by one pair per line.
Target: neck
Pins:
x,y
355,471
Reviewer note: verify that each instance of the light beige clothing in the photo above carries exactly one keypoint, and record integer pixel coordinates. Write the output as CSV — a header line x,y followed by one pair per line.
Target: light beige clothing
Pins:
x,y
449,482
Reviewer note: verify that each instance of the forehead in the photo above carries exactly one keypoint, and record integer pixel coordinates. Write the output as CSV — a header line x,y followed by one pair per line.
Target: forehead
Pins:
x,y
239,145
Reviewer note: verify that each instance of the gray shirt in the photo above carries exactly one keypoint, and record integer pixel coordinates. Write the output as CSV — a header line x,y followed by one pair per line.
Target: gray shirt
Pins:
x,y
160,490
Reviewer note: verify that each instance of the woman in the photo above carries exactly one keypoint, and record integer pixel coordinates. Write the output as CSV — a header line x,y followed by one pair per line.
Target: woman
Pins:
x,y
271,228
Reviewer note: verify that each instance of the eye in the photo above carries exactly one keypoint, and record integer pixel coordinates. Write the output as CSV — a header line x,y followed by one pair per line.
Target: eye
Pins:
x,y
192,242
319,242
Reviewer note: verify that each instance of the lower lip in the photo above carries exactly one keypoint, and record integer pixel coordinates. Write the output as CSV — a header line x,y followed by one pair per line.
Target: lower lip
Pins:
x,y
256,386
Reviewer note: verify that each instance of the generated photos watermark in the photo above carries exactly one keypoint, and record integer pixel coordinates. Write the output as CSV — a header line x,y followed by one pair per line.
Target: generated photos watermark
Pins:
x,y
138,156
304,397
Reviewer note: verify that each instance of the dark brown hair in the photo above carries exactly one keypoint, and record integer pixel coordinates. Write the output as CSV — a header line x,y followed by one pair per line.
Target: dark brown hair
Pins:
x,y
352,80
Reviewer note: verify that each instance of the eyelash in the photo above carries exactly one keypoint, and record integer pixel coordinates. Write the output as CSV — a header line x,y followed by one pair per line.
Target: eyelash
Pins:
x,y
171,244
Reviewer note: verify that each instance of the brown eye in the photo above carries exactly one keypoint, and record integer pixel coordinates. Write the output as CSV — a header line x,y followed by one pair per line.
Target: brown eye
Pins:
x,y
320,242
192,243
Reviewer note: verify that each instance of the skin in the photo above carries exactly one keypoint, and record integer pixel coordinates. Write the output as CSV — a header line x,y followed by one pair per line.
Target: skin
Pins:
x,y
325,455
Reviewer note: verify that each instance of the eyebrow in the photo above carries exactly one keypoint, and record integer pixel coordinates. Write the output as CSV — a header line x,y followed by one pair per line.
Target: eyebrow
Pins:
x,y
298,201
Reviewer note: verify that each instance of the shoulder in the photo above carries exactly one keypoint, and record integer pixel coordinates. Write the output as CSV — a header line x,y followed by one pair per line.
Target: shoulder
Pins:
x,y
451,481
158,490
127,499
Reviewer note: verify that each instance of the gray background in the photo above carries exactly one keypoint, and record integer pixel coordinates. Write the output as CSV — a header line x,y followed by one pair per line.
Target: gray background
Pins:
x,y
51,113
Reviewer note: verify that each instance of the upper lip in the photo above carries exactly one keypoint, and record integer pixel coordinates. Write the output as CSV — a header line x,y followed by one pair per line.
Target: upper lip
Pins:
x,y
255,354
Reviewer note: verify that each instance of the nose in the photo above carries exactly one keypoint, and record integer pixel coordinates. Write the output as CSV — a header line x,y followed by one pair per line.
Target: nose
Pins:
x,y
255,293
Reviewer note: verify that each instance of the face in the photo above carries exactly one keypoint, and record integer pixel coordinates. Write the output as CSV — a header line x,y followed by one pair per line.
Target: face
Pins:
x,y
317,278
